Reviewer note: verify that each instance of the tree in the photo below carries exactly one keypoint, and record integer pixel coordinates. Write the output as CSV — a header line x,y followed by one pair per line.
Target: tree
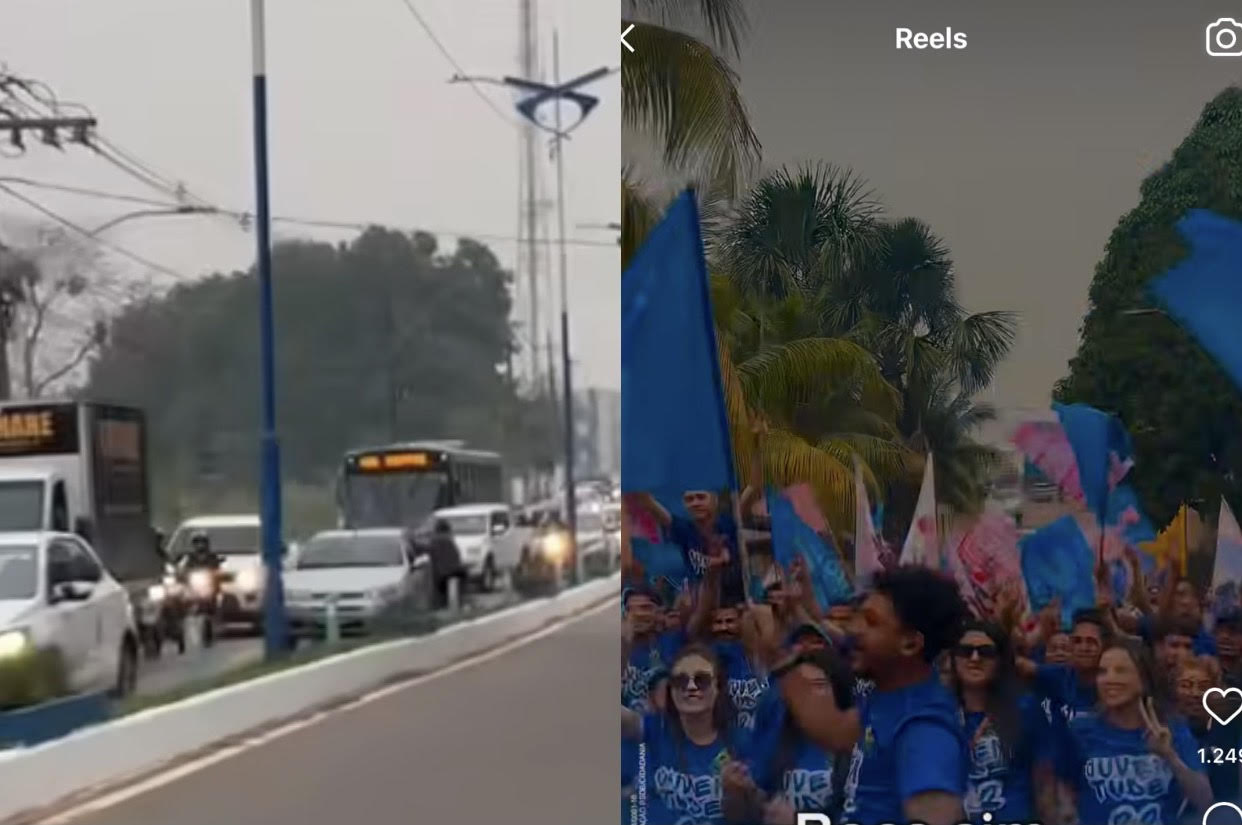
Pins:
x,y
384,338
814,241
1181,410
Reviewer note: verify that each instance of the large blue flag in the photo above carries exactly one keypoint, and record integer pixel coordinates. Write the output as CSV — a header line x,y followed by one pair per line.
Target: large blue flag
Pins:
x,y
675,432
1204,291
1058,562
1102,450
793,537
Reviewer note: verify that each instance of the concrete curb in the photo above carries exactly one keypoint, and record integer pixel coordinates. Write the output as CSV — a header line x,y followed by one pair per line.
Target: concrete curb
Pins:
x,y
135,745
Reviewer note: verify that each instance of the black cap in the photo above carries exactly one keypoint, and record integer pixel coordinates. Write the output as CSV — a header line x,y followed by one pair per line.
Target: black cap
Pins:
x,y
641,590
805,628
1230,618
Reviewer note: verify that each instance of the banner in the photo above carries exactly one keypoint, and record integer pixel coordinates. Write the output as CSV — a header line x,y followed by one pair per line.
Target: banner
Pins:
x,y
921,546
1204,291
1057,561
793,536
1227,573
1046,448
984,558
866,541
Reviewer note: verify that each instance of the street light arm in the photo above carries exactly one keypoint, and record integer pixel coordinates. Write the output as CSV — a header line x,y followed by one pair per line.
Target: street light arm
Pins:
x,y
152,213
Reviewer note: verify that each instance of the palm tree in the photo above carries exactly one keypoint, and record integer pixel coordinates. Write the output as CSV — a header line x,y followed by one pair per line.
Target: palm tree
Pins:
x,y
823,401
817,233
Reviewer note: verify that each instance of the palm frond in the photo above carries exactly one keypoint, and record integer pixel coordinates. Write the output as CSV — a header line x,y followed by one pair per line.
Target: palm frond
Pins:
x,y
789,459
676,88
784,374
726,21
978,344
638,216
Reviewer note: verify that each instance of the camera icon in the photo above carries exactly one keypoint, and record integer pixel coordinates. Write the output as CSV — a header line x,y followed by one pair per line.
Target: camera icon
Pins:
x,y
1224,38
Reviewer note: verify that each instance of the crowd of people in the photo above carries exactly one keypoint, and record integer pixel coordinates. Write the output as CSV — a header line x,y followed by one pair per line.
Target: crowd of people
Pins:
x,y
900,706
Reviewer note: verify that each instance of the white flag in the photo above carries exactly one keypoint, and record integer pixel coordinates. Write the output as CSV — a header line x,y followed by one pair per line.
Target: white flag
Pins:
x,y
1227,573
921,546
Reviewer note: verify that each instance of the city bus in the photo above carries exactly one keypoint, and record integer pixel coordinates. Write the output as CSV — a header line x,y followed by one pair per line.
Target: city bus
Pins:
x,y
401,485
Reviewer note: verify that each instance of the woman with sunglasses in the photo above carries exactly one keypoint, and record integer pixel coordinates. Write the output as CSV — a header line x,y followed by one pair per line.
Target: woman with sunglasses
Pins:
x,y
687,746
1007,731
1130,763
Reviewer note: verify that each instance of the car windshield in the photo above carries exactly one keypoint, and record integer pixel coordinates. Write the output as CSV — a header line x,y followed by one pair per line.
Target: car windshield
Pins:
x,y
474,525
351,551
19,572
227,540
21,506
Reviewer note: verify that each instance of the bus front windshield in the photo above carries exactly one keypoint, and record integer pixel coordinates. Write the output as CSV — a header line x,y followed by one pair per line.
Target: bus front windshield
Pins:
x,y
391,499
21,506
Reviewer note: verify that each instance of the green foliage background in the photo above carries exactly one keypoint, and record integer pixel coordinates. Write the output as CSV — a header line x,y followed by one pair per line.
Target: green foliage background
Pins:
x,y
347,317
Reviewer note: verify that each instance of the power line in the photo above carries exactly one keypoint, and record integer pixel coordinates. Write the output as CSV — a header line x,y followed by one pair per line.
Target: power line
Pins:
x,y
461,73
63,221
308,222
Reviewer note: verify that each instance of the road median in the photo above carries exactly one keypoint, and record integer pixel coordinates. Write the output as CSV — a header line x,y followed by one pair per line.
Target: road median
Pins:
x,y
98,758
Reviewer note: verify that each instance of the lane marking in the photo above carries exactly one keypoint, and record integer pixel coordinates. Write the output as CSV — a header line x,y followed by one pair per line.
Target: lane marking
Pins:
x,y
167,777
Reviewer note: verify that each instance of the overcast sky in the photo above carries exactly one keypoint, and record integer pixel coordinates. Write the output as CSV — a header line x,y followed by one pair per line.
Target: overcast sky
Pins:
x,y
364,127
1022,151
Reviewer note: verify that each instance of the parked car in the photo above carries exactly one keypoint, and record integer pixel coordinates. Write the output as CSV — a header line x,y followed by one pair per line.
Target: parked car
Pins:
x,y
365,573
489,542
55,593
239,539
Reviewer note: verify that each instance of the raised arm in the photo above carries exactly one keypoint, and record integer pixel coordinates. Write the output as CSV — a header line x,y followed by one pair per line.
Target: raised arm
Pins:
x,y
655,508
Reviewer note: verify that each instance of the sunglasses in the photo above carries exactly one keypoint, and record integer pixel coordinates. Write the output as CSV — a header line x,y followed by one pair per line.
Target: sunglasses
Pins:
x,y
701,680
985,652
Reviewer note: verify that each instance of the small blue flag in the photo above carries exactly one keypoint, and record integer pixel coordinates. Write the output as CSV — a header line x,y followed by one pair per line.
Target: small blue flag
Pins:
x,y
1204,291
1102,450
792,537
1057,561
675,432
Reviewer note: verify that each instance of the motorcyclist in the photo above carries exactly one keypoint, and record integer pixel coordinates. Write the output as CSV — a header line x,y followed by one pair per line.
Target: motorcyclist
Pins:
x,y
201,555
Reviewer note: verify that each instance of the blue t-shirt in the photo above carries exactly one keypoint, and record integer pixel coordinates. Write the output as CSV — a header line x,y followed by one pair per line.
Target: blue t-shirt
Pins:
x,y
645,659
1000,784
799,771
682,783
1203,644
1118,778
685,534
1068,693
751,691
912,743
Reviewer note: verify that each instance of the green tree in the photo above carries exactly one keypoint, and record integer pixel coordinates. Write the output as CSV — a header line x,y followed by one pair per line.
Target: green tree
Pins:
x,y
818,233
1182,411
381,339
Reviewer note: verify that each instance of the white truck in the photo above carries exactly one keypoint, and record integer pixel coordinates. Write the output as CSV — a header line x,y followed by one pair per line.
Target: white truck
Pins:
x,y
81,467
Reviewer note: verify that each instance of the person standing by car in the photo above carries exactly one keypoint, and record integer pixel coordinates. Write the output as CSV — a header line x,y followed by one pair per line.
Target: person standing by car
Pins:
x,y
445,561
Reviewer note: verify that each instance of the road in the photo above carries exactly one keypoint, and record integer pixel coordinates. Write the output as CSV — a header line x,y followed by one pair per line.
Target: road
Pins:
x,y
526,737
172,671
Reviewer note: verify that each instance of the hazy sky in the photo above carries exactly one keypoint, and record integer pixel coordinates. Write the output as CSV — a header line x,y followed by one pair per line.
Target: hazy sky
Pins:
x,y
1022,151
364,127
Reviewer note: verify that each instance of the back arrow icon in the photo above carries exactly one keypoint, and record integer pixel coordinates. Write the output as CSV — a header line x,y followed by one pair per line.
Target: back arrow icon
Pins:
x,y
623,34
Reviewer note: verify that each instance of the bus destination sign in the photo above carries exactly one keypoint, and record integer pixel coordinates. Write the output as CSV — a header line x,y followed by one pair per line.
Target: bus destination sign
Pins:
x,y
395,461
42,430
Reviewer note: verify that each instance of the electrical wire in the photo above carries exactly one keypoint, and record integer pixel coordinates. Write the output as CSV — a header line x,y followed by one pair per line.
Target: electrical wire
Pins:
x,y
452,61
317,223
68,224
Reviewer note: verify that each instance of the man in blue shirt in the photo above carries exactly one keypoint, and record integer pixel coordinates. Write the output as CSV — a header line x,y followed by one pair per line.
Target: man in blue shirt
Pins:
x,y
708,537
1071,688
910,762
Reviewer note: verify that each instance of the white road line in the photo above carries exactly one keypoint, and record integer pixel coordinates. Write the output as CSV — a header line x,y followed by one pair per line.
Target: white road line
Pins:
x,y
110,800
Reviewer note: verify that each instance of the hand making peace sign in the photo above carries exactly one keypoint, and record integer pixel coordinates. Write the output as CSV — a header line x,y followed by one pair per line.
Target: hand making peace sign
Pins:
x,y
1159,737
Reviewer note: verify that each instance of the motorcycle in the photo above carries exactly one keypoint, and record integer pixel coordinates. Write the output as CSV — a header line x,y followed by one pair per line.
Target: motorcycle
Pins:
x,y
203,595
164,616
546,562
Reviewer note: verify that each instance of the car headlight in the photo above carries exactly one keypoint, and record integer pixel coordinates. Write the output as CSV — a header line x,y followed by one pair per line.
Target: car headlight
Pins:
x,y
13,643
249,580
156,593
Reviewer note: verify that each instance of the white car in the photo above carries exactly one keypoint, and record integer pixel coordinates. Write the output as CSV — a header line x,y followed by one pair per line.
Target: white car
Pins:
x,y
365,573
239,540
489,542
54,593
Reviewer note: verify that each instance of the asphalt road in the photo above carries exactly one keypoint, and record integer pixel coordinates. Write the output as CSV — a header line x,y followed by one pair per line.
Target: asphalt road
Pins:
x,y
528,737
173,671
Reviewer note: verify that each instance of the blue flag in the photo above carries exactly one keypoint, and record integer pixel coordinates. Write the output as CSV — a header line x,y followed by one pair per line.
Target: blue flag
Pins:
x,y
792,537
1204,291
675,432
1102,450
1057,561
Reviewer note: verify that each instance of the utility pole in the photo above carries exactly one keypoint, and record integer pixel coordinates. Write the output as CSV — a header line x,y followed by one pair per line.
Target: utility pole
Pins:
x,y
529,69
567,384
275,631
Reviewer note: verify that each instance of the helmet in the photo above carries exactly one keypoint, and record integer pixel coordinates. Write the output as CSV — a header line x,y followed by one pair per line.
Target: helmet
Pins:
x,y
199,539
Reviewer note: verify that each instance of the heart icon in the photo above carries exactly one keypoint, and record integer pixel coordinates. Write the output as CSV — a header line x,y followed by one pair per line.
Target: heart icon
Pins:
x,y
1223,693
